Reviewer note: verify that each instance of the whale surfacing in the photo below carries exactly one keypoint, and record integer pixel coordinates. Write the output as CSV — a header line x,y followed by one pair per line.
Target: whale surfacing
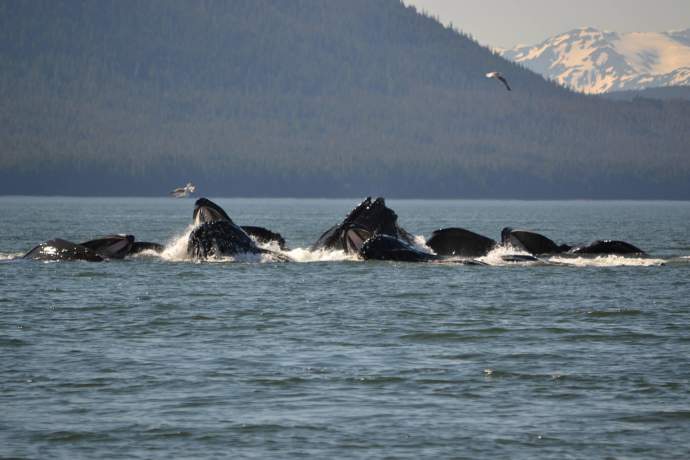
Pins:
x,y
59,249
368,219
216,235
111,246
386,247
459,242
95,250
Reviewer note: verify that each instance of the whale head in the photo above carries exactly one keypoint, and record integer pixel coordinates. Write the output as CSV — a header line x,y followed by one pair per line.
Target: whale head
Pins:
x,y
206,211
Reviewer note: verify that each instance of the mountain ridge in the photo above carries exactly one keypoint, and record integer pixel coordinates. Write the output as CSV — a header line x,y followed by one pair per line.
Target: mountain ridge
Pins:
x,y
305,98
596,61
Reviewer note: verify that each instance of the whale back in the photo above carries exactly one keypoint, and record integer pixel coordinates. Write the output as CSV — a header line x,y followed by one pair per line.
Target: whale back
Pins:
x,y
386,247
111,246
531,242
612,247
140,246
59,249
264,235
460,242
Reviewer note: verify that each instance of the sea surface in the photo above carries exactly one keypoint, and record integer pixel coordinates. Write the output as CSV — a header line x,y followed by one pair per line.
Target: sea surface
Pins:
x,y
160,357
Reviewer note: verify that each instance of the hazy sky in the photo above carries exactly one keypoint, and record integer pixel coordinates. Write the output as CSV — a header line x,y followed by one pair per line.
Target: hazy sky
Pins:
x,y
506,23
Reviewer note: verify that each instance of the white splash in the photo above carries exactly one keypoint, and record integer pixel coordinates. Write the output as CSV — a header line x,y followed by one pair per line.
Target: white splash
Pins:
x,y
10,256
176,249
495,257
607,261
307,255
420,244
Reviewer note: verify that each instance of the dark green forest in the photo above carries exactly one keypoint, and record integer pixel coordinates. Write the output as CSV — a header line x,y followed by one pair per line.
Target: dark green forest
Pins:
x,y
666,92
314,98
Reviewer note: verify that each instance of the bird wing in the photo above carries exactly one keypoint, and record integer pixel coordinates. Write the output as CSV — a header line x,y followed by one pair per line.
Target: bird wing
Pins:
x,y
505,82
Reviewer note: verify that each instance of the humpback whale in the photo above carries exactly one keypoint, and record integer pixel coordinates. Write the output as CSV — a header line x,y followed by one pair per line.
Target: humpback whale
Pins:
x,y
263,235
59,249
386,247
216,234
141,246
96,250
531,242
111,246
537,244
368,219
371,231
460,242
613,247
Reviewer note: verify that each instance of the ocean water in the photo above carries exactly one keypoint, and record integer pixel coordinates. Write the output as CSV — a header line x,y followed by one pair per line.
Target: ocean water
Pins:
x,y
159,357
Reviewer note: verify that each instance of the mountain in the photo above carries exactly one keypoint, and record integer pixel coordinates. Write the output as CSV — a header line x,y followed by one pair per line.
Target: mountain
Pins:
x,y
319,98
595,61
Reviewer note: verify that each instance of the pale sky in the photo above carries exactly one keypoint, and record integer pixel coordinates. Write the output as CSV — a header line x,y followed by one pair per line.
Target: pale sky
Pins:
x,y
506,23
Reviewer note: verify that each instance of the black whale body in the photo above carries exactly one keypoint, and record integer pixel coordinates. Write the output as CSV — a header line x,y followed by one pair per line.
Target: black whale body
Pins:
x,y
613,247
111,246
386,247
460,242
263,235
59,249
141,246
219,238
216,235
95,250
531,242
369,218
538,244
120,246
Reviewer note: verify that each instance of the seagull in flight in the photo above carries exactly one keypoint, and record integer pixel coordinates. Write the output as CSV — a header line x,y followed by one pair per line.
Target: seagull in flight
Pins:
x,y
500,77
183,192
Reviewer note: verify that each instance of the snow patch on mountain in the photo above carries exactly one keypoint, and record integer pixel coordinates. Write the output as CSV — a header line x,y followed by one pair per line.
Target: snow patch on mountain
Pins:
x,y
596,61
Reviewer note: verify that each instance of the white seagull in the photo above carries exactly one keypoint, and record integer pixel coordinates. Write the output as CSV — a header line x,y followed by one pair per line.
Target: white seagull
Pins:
x,y
184,192
500,77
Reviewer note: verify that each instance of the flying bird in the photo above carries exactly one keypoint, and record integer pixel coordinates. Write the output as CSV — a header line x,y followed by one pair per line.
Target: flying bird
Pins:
x,y
500,77
184,192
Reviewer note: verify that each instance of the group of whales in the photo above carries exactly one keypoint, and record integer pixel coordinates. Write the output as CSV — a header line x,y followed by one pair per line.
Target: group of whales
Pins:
x,y
370,231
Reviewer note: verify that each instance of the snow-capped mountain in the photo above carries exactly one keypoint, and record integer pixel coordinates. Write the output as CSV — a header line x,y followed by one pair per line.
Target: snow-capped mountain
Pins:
x,y
595,61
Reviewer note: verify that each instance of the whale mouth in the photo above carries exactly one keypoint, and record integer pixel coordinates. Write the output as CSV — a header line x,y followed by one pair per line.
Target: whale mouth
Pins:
x,y
206,211
355,237
111,246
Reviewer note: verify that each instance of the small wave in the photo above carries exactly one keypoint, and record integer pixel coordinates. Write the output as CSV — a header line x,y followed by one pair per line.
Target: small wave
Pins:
x,y
11,342
658,417
608,261
375,379
306,255
433,337
616,312
10,255
146,253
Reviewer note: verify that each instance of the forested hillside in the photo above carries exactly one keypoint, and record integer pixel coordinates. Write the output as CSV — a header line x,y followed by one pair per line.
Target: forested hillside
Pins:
x,y
668,92
304,98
